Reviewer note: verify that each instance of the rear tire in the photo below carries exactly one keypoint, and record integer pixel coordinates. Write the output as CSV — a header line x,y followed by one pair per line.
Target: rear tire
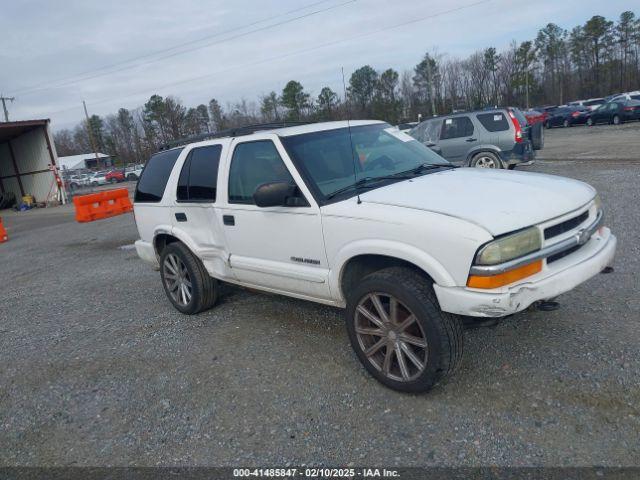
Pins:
x,y
590,122
485,160
417,345
188,285
565,123
616,120
547,125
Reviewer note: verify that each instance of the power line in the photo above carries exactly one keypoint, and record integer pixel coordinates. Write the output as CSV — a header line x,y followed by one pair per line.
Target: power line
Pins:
x,y
280,57
89,75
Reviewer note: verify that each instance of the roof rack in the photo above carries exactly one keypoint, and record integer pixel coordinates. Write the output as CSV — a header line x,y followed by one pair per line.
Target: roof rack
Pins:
x,y
231,132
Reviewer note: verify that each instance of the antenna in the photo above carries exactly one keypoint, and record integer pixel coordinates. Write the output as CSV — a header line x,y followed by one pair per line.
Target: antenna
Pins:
x,y
353,158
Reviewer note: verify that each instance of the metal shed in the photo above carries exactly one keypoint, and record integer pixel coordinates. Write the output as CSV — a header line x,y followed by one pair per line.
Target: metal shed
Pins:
x,y
28,160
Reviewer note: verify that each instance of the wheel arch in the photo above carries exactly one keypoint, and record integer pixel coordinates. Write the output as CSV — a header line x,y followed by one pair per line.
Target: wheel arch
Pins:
x,y
165,235
484,148
363,258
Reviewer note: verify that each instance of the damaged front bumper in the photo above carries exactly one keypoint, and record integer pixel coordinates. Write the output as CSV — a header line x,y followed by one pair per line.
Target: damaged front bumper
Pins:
x,y
555,278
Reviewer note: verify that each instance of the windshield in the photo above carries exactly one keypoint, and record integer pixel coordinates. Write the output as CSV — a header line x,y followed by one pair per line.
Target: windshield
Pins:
x,y
379,150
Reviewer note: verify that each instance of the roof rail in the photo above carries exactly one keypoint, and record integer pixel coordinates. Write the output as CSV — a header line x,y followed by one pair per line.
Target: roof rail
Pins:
x,y
231,132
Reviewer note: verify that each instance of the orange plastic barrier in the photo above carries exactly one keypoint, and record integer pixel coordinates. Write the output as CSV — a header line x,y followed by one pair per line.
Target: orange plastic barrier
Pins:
x,y
3,233
97,206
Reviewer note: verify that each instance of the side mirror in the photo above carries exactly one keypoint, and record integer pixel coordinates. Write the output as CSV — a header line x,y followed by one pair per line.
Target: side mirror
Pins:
x,y
277,194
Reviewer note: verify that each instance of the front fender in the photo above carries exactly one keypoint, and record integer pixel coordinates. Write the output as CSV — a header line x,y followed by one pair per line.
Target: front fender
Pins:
x,y
387,248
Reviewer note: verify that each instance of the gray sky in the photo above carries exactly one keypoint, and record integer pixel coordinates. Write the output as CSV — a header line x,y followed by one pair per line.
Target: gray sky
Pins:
x,y
54,54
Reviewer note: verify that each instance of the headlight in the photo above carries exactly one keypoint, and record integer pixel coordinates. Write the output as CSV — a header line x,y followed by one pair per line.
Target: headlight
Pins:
x,y
510,247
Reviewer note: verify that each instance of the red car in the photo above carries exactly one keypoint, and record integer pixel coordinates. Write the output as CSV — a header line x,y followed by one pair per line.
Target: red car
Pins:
x,y
535,116
115,176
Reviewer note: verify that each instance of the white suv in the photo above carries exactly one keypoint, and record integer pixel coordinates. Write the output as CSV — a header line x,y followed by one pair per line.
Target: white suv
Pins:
x,y
364,217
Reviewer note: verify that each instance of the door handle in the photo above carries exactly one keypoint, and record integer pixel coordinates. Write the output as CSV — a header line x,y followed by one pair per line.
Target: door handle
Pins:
x,y
471,139
181,217
228,220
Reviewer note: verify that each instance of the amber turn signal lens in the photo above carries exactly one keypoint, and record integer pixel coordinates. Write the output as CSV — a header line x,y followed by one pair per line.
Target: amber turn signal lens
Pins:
x,y
502,279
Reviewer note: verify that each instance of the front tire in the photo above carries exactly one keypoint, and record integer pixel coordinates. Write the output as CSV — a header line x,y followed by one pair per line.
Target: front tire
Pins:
x,y
486,160
399,333
188,285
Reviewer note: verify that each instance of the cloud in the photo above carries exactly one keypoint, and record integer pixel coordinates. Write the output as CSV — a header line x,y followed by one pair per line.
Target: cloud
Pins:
x,y
44,42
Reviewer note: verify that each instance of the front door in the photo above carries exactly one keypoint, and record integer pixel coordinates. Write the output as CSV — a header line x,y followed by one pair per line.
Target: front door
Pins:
x,y
276,248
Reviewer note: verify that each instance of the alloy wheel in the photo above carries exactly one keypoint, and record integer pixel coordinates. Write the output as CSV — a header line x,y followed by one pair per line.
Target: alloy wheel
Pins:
x,y
391,337
177,280
486,162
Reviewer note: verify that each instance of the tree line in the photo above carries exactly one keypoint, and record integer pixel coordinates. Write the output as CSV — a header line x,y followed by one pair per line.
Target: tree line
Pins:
x,y
596,59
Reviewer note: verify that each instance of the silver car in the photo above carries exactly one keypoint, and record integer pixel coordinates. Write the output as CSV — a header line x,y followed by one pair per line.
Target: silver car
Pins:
x,y
496,138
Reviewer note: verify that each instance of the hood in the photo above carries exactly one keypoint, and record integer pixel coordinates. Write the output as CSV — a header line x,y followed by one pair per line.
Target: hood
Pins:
x,y
500,201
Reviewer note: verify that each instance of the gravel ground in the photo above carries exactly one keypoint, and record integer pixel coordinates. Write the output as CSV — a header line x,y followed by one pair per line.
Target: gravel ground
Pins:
x,y
600,142
97,368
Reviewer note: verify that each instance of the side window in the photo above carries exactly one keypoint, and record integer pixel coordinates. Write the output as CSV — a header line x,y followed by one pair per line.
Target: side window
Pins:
x,y
456,127
493,122
155,175
252,164
199,175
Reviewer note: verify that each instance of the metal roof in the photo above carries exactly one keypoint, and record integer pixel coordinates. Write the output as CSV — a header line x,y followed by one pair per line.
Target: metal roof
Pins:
x,y
73,162
11,130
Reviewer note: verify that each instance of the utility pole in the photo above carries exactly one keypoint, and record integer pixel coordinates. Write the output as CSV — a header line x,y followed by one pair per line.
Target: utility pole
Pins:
x,y
90,131
4,106
526,79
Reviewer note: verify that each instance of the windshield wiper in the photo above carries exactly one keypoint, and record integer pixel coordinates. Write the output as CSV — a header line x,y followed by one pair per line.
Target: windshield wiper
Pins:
x,y
407,174
423,167
364,183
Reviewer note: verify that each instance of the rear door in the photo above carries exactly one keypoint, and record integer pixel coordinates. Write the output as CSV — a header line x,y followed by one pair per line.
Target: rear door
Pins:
x,y
195,211
497,126
457,138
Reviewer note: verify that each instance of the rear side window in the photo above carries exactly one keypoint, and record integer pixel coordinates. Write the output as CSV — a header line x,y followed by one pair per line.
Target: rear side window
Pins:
x,y
635,97
456,127
253,164
199,175
493,122
427,131
155,175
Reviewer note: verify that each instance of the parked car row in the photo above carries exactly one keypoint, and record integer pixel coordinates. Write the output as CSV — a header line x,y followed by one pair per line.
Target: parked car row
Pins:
x,y
618,109
104,177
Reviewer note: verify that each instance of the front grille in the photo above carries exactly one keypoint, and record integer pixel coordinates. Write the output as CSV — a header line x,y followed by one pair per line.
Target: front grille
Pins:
x,y
563,254
565,226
